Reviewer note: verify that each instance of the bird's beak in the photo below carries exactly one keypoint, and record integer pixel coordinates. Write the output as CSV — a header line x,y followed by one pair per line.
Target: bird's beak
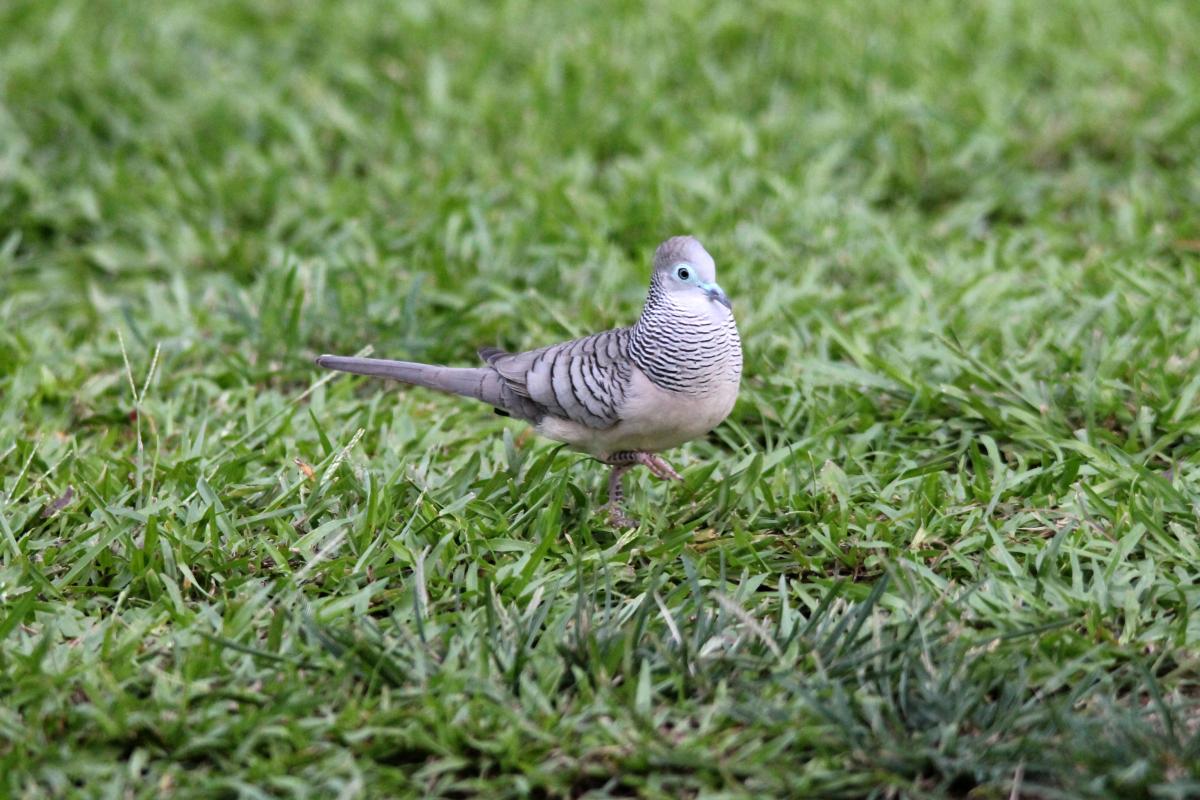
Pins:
x,y
715,292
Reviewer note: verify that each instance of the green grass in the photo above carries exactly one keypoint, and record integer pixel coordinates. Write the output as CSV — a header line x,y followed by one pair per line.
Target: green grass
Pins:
x,y
946,546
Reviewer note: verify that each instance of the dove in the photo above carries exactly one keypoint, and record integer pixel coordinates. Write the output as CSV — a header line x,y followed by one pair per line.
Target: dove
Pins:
x,y
623,395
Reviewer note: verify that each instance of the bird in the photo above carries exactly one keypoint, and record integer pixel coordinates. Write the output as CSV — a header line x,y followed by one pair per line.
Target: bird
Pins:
x,y
622,395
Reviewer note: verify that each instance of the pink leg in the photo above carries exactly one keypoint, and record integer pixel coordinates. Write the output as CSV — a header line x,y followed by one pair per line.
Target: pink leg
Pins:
x,y
621,462
658,466
616,498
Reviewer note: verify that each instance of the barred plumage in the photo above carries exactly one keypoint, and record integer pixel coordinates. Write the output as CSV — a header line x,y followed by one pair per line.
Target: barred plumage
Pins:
x,y
682,351
583,380
622,394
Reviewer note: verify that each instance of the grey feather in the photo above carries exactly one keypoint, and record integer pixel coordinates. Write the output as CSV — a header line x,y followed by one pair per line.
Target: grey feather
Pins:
x,y
479,383
583,380
683,344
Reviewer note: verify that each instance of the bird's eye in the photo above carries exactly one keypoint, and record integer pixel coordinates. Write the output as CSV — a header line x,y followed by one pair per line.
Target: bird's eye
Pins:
x,y
683,273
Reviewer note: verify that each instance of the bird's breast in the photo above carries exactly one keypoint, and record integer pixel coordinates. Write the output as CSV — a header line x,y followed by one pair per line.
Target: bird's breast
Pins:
x,y
688,354
656,419
684,381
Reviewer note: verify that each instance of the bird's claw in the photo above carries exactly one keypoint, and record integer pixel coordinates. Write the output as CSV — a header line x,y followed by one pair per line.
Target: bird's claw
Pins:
x,y
658,467
619,519
621,462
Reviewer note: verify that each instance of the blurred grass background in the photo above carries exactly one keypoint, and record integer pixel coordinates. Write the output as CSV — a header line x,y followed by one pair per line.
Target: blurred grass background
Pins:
x,y
945,547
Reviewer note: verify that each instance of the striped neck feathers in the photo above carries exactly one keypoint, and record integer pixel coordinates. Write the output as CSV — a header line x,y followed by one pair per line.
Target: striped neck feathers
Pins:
x,y
688,345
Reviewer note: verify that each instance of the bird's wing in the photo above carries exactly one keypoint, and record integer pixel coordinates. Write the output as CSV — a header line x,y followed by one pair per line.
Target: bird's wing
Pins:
x,y
583,380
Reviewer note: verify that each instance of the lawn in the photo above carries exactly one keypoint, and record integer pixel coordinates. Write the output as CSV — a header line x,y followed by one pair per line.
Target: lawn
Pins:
x,y
947,544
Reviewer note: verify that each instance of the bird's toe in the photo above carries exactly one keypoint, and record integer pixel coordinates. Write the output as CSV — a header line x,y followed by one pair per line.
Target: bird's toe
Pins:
x,y
619,519
659,468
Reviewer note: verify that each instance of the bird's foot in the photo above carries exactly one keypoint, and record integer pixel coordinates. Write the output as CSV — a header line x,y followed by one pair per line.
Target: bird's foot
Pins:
x,y
620,463
618,518
657,465
616,497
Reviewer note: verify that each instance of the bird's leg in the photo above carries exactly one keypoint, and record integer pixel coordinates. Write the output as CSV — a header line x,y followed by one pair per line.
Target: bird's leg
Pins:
x,y
616,498
658,467
621,462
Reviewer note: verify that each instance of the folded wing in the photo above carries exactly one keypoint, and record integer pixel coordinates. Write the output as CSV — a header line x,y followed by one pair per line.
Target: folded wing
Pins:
x,y
583,380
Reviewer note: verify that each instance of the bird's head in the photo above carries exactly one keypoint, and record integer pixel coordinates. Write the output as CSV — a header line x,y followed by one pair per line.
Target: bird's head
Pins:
x,y
686,273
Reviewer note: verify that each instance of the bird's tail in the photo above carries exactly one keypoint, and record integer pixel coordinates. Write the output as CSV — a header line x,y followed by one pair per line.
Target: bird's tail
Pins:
x,y
482,383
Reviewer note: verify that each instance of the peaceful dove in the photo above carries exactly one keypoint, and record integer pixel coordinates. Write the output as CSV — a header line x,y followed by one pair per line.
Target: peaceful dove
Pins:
x,y
621,395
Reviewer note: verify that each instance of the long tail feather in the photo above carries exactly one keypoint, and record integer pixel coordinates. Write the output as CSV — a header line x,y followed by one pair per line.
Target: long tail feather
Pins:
x,y
479,383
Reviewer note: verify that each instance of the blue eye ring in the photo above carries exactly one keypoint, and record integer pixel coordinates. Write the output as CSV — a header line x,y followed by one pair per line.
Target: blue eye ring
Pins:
x,y
683,272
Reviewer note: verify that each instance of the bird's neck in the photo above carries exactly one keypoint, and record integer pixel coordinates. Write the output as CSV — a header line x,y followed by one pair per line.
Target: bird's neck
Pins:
x,y
694,351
